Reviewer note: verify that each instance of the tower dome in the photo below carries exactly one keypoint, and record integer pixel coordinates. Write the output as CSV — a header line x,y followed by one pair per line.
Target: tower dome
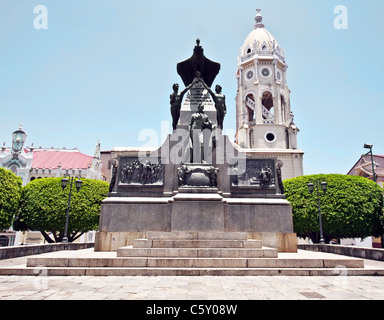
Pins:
x,y
261,41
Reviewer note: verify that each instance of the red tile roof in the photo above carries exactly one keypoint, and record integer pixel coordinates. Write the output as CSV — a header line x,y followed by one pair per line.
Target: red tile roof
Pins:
x,y
67,159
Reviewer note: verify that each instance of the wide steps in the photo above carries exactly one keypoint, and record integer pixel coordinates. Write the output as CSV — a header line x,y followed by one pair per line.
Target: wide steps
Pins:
x,y
192,254
197,252
145,243
194,235
193,263
150,271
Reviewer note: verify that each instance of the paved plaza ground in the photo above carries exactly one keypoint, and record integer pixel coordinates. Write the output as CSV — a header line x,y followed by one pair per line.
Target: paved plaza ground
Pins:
x,y
191,288
339,287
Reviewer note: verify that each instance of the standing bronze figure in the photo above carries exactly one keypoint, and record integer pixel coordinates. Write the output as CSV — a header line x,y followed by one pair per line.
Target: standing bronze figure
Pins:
x,y
219,99
176,99
197,134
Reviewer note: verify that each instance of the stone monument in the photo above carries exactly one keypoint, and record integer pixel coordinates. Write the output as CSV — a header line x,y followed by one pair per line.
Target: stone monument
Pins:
x,y
198,180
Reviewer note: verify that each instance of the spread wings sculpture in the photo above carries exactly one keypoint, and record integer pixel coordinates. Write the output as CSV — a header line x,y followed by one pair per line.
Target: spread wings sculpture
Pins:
x,y
198,62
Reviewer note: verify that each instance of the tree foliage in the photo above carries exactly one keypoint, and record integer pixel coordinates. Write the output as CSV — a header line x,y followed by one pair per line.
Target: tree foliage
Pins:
x,y
10,192
352,207
43,207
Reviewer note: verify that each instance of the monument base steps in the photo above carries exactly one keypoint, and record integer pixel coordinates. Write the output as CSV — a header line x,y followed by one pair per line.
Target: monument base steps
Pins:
x,y
193,254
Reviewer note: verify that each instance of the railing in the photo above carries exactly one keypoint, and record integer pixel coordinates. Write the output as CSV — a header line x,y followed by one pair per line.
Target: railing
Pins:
x,y
247,56
262,53
267,116
250,103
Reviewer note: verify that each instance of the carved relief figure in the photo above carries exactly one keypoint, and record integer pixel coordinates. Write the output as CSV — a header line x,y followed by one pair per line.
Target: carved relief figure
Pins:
x,y
181,173
137,172
265,175
213,176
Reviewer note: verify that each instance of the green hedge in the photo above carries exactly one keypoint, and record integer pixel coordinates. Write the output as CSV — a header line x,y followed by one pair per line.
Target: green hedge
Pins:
x,y
43,207
10,192
351,208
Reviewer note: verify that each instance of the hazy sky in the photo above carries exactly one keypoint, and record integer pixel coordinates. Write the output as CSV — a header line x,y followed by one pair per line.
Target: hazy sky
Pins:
x,y
104,70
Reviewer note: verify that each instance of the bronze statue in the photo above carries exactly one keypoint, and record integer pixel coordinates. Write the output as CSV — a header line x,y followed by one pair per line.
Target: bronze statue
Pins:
x,y
199,122
219,99
176,100
115,165
279,164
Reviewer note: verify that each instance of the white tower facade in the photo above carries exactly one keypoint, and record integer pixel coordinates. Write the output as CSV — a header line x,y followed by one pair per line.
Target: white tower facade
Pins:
x,y
264,120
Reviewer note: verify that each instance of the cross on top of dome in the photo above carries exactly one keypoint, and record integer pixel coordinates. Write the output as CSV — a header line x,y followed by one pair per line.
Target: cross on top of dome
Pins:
x,y
259,19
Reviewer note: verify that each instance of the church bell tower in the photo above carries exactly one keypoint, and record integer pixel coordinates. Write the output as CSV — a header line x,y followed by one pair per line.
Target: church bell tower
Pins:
x,y
264,120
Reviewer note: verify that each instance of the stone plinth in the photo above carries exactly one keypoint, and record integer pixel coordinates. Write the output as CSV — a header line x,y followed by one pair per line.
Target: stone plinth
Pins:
x,y
196,209
197,212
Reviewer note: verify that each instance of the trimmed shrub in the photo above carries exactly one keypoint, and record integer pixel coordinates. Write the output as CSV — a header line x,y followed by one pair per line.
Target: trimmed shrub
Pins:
x,y
10,192
43,207
352,207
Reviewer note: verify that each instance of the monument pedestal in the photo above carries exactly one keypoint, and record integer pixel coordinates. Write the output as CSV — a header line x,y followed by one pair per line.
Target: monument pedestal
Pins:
x,y
195,209
223,191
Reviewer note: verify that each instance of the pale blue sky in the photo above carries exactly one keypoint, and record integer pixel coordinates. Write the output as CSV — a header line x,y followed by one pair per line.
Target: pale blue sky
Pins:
x,y
104,69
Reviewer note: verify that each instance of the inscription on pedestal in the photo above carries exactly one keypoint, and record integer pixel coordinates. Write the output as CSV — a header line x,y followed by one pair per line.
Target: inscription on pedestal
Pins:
x,y
198,95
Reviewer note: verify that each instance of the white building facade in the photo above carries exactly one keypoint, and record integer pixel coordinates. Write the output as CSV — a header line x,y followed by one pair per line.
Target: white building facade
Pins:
x,y
264,119
31,163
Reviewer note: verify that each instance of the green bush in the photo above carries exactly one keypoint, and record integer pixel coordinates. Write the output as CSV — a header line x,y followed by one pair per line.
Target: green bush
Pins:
x,y
10,192
43,207
351,208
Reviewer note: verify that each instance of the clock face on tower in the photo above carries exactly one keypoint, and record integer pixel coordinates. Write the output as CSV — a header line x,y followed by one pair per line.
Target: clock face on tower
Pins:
x,y
265,72
249,75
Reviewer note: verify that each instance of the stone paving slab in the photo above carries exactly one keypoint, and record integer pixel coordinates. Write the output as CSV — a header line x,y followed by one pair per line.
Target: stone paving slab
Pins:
x,y
190,288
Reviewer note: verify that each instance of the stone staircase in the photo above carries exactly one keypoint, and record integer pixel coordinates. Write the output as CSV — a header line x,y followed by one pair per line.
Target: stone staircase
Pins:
x,y
193,254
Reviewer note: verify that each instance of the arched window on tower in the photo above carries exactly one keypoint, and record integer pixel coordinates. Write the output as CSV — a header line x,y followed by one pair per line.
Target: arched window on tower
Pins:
x,y
267,107
250,104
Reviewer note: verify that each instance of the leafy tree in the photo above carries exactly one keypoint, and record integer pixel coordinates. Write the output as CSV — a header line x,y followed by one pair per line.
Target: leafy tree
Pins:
x,y
43,207
10,192
351,208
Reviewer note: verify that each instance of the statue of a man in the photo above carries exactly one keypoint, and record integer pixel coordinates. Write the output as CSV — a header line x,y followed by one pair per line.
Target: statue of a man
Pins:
x,y
219,99
176,99
199,122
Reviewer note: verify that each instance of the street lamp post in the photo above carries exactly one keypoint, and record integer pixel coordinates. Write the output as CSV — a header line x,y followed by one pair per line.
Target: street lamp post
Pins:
x,y
64,183
369,146
311,187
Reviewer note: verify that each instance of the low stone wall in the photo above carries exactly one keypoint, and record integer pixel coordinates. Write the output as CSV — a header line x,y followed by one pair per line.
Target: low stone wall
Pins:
x,y
358,252
26,250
